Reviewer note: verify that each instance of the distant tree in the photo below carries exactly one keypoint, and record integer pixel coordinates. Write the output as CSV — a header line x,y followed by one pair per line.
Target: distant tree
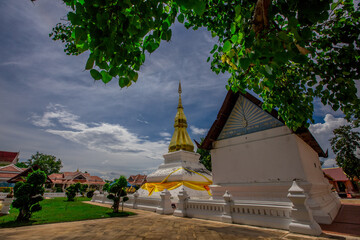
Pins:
x,y
205,157
106,187
47,163
117,190
345,145
21,165
28,194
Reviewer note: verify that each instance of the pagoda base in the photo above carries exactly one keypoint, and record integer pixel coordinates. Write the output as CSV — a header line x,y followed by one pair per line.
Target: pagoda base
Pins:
x,y
181,167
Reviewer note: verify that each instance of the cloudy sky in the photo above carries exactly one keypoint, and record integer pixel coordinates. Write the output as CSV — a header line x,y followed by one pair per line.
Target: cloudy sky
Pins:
x,y
48,103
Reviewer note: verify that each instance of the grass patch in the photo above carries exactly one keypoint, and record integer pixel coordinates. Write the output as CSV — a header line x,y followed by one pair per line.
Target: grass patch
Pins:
x,y
59,210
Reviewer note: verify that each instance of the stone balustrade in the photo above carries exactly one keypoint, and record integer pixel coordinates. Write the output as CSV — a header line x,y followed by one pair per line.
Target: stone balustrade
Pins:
x,y
3,195
294,215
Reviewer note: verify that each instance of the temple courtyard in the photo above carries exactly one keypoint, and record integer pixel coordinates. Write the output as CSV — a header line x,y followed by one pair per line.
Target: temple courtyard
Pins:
x,y
149,225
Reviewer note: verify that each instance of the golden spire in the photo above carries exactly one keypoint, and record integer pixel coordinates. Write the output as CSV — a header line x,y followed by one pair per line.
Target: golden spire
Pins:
x,y
180,139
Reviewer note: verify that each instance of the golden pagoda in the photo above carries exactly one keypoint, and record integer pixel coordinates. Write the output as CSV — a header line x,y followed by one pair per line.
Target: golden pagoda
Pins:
x,y
180,139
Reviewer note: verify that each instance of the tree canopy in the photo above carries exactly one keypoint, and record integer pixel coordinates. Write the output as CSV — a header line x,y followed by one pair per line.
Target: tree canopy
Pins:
x,y
288,52
48,163
345,144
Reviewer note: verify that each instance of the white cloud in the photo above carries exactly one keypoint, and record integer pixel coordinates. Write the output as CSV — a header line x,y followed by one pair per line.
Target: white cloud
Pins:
x,y
103,137
198,131
165,134
328,163
323,132
329,125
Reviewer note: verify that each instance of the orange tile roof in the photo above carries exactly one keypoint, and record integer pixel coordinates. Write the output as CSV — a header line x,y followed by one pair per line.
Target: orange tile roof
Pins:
x,y
336,173
68,178
8,175
11,168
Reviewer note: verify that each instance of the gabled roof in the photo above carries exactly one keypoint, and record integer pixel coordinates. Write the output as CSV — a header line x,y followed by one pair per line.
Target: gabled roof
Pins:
x,y
337,174
69,178
137,179
225,111
22,175
8,156
11,168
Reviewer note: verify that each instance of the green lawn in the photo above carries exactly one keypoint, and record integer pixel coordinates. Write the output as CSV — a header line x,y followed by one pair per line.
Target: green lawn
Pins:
x,y
59,210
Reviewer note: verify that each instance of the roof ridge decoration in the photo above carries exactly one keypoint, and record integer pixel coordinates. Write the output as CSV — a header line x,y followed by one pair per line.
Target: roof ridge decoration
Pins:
x,y
180,139
227,109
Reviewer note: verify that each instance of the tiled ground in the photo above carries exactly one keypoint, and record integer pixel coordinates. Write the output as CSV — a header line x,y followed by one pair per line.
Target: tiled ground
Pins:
x,y
148,225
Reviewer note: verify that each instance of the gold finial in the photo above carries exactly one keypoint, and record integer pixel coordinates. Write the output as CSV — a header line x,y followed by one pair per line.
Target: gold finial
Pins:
x,y
180,139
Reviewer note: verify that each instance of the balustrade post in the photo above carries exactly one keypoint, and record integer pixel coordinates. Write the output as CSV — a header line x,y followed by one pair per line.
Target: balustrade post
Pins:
x,y
95,196
165,204
6,205
180,210
302,219
227,217
136,195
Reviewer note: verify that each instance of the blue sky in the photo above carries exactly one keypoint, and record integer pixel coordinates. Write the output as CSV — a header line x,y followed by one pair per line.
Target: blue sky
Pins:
x,y
48,103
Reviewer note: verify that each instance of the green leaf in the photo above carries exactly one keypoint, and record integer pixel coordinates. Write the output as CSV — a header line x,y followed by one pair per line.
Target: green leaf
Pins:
x,y
199,7
95,74
89,63
181,18
234,38
106,77
123,82
233,28
227,46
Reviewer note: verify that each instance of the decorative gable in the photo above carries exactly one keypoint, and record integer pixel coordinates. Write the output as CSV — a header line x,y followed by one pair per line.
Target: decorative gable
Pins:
x,y
245,118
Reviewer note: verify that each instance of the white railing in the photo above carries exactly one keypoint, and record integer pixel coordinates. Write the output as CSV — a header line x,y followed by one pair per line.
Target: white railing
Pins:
x,y
212,210
294,215
54,195
101,198
3,195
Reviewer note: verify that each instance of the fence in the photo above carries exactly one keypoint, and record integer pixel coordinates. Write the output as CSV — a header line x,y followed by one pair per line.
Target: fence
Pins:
x,y
294,215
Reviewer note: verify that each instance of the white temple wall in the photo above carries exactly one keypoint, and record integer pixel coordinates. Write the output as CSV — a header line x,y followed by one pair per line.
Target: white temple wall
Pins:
x,y
311,162
268,156
261,167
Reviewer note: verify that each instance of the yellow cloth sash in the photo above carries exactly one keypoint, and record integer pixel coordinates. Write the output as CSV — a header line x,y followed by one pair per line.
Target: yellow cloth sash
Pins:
x,y
160,186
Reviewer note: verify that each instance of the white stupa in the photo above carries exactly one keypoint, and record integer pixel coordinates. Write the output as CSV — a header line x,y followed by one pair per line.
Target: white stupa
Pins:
x,y
181,167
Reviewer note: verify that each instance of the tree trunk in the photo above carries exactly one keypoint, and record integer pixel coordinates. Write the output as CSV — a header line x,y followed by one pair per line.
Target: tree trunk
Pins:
x,y
260,17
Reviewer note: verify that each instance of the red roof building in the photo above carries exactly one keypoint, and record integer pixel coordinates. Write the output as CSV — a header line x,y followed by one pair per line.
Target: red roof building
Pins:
x,y
65,179
8,172
22,175
7,158
137,180
343,185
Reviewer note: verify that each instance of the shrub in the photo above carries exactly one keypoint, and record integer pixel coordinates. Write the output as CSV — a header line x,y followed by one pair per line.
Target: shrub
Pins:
x,y
117,190
71,192
28,195
59,189
83,189
90,194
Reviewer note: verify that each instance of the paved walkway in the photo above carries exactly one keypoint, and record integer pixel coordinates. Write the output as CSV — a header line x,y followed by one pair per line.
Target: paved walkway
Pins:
x,y
346,222
149,225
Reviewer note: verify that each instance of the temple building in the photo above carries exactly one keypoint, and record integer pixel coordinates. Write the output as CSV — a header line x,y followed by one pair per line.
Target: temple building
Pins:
x,y
181,169
256,158
65,179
